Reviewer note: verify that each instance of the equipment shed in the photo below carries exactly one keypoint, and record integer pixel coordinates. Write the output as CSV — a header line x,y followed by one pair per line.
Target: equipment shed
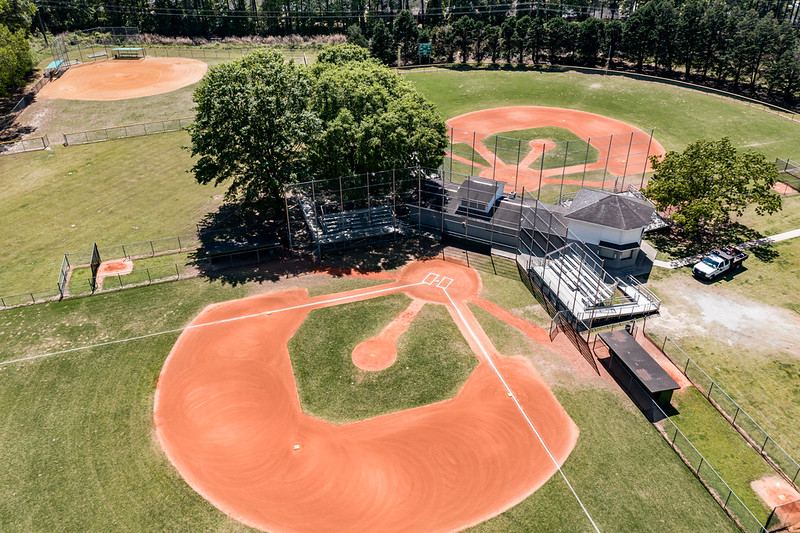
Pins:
x,y
625,350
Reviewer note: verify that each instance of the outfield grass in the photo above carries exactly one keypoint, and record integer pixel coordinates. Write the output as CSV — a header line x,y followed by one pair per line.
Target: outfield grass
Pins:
x,y
730,455
433,360
679,116
627,476
64,199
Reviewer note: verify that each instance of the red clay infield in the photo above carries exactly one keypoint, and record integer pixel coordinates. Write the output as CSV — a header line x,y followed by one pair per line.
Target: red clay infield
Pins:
x,y
624,154
118,79
228,416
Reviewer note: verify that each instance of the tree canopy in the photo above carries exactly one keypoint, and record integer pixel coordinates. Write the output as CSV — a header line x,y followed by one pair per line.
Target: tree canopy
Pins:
x,y
703,185
263,122
16,60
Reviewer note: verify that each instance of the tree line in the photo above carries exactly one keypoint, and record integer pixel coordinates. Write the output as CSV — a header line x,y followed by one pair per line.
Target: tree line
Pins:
x,y
16,60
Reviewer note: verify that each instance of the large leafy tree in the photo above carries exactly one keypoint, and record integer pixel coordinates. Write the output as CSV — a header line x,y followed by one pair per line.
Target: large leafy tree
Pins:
x,y
406,35
252,126
703,185
372,120
16,60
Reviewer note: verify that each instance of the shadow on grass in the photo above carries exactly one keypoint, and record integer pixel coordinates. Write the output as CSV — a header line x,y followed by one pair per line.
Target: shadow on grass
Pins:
x,y
675,244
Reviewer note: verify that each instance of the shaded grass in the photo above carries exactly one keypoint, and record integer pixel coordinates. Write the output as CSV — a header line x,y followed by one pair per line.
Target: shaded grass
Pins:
x,y
106,193
433,360
730,455
679,116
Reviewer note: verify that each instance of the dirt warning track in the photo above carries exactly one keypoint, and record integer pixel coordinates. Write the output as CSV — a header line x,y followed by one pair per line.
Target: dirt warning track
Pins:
x,y
228,416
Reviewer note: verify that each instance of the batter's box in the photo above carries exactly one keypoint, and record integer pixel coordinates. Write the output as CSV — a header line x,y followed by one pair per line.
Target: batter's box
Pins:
x,y
444,283
431,278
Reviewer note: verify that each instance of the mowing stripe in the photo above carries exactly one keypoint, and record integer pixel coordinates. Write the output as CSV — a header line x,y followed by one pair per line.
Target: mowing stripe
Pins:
x,y
519,407
223,321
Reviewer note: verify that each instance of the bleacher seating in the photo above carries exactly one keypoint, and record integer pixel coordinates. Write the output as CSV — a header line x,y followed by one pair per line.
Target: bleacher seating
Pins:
x,y
581,278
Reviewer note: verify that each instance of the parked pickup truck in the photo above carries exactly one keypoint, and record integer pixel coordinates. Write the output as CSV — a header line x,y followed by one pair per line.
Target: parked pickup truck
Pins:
x,y
719,261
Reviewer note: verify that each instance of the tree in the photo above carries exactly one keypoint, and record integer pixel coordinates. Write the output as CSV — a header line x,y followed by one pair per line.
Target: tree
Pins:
x,y
463,36
558,38
508,33
372,119
493,42
252,126
356,37
406,36
341,54
16,60
590,37
708,181
381,46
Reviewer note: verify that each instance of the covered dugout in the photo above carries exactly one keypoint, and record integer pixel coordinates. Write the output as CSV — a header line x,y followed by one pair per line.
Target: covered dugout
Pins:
x,y
641,367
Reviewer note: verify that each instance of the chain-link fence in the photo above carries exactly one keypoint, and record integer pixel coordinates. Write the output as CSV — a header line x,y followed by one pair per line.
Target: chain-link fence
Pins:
x,y
727,406
549,169
722,493
125,131
216,53
24,145
788,176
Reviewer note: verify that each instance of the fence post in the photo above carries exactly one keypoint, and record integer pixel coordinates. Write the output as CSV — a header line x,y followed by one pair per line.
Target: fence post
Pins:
x,y
3,302
66,142
686,366
709,390
119,278
700,465
728,498
152,250
32,298
664,344
180,247
735,415
149,279
765,444
123,251
178,274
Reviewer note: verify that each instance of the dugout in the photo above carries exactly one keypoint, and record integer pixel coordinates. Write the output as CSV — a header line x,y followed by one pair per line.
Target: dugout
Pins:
x,y
628,355
226,251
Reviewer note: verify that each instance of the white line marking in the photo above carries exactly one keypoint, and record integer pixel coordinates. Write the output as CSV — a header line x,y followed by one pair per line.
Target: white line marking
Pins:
x,y
448,280
519,407
426,281
223,321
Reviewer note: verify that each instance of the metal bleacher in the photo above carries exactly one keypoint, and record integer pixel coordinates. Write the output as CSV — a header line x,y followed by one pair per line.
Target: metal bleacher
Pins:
x,y
580,277
348,227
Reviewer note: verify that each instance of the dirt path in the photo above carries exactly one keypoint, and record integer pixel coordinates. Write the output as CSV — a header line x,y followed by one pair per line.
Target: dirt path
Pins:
x,y
228,416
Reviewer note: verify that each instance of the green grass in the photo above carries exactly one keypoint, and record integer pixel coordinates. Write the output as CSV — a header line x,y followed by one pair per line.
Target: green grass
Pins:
x,y
784,220
433,360
679,116
568,146
729,454
465,150
508,291
64,199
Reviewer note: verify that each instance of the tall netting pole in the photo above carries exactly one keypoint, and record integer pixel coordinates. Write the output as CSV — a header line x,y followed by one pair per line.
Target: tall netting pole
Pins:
x,y
627,157
586,160
563,172
541,173
608,158
516,173
341,203
646,159
451,155
288,223
494,162
472,162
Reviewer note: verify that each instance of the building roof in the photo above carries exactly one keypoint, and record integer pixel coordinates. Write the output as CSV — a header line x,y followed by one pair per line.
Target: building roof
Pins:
x,y
608,209
480,190
649,373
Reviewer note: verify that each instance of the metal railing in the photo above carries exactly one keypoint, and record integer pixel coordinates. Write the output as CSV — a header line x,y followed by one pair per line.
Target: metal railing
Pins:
x,y
758,438
19,146
789,175
126,130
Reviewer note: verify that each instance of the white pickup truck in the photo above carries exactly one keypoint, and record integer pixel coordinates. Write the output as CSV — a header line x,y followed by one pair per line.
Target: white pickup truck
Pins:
x,y
719,261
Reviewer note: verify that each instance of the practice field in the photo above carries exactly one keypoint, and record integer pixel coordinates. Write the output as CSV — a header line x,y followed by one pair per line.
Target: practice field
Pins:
x,y
621,149
120,79
227,414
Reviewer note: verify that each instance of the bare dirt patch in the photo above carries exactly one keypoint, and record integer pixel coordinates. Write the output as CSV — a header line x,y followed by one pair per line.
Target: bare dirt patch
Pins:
x,y
782,497
122,79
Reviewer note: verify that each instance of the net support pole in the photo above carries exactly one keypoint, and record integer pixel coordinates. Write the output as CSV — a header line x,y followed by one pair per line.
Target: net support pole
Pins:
x,y
341,203
419,201
288,223
627,158
608,158
494,163
369,210
563,172
451,155
516,168
646,159
472,161
541,172
586,160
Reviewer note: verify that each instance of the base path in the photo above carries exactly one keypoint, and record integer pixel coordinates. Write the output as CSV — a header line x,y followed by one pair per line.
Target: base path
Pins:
x,y
228,416
119,79
623,149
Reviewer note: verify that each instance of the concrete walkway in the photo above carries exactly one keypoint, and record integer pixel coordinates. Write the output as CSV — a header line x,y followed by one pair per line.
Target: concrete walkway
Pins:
x,y
678,263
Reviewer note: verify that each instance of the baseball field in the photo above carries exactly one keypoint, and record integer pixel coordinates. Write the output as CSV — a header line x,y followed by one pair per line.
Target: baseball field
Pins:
x,y
425,397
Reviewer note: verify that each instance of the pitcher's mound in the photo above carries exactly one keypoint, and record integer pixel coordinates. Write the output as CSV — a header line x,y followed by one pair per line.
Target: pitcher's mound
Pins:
x,y
121,79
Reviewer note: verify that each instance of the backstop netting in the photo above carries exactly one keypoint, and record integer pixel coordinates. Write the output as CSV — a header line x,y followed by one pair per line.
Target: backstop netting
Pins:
x,y
552,169
89,45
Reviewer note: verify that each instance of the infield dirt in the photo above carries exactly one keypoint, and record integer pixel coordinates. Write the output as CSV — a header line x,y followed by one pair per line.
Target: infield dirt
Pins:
x,y
228,416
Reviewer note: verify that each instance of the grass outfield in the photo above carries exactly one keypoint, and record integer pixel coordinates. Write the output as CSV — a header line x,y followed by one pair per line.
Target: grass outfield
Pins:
x,y
63,200
77,435
679,116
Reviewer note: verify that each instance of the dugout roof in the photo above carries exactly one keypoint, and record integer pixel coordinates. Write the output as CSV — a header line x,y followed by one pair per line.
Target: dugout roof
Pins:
x,y
649,373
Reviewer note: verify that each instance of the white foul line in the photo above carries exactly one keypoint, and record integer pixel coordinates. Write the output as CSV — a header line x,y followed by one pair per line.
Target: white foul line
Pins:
x,y
223,321
519,406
